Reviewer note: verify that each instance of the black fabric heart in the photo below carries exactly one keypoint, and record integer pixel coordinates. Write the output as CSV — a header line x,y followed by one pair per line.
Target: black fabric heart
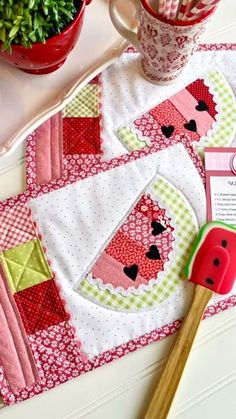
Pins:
x,y
167,131
202,106
157,228
191,126
131,271
153,253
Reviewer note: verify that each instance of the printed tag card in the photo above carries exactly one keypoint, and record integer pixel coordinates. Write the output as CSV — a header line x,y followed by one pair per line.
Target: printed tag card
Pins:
x,y
221,184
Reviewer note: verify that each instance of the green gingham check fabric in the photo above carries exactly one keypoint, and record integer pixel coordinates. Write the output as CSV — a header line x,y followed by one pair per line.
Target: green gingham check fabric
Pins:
x,y
131,140
186,229
85,103
227,107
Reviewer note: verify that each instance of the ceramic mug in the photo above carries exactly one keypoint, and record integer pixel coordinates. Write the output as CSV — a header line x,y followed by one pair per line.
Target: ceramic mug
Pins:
x,y
165,46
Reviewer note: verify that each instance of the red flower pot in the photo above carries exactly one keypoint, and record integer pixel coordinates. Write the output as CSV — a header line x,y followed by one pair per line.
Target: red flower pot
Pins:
x,y
47,57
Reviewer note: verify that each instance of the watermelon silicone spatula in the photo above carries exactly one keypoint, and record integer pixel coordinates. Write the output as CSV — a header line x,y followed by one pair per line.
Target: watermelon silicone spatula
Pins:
x,y
212,267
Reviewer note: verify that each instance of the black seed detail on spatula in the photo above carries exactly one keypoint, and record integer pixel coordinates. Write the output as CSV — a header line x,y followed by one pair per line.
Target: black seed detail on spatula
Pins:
x,y
216,262
224,243
209,281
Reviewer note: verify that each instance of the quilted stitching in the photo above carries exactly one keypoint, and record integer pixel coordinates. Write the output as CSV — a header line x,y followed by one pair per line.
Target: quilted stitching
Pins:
x,y
85,104
16,227
81,136
186,223
25,265
40,306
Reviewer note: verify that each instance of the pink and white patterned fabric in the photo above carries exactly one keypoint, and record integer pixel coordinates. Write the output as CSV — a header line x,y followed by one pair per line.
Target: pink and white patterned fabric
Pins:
x,y
139,250
16,227
58,358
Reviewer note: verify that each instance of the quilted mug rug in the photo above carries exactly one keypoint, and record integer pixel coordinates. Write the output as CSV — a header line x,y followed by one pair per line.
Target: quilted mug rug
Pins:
x,y
92,257
54,147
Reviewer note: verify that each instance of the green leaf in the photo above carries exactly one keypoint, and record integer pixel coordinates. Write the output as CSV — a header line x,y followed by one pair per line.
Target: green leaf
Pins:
x,y
32,36
2,34
13,31
31,4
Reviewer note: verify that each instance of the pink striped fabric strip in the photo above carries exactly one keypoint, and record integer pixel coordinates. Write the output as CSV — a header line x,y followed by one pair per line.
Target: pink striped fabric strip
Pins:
x,y
56,146
15,355
49,155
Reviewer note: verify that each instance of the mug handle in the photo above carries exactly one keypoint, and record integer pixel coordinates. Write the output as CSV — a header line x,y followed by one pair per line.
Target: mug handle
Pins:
x,y
130,33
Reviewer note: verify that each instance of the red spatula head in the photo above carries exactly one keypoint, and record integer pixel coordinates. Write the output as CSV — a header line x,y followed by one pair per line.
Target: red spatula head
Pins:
x,y
212,263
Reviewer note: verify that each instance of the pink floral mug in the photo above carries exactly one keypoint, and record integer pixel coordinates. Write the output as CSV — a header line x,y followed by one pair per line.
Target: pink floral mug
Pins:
x,y
165,46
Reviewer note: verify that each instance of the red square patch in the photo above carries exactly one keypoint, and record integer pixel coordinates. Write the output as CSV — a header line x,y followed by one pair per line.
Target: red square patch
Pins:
x,y
81,135
40,306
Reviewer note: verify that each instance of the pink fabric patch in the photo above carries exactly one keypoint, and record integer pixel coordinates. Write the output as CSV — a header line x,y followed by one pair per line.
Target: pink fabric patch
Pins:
x,y
138,227
16,227
167,114
186,104
129,252
151,209
135,254
15,356
110,271
149,127
48,153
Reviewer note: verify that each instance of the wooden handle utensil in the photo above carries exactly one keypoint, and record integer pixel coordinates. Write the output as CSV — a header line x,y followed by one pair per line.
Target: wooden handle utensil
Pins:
x,y
212,266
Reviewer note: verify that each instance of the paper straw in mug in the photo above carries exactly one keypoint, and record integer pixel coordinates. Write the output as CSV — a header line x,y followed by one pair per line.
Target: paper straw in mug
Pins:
x,y
202,7
182,9
167,8
174,8
161,7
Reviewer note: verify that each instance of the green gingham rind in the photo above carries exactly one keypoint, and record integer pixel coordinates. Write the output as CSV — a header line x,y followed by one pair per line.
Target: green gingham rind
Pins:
x,y
85,103
186,230
225,130
220,136
129,139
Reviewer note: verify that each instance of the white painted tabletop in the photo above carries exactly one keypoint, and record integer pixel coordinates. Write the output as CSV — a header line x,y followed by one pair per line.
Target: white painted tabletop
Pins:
x,y
121,390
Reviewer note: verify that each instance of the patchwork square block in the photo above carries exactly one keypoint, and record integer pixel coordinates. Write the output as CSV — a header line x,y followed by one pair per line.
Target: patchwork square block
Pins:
x,y
40,306
16,227
25,265
205,98
85,103
81,136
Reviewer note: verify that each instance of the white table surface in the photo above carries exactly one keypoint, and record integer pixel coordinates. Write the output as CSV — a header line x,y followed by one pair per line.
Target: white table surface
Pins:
x,y
122,389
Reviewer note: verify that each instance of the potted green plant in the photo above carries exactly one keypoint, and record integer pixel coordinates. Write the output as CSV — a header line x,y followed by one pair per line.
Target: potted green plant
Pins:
x,y
37,35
